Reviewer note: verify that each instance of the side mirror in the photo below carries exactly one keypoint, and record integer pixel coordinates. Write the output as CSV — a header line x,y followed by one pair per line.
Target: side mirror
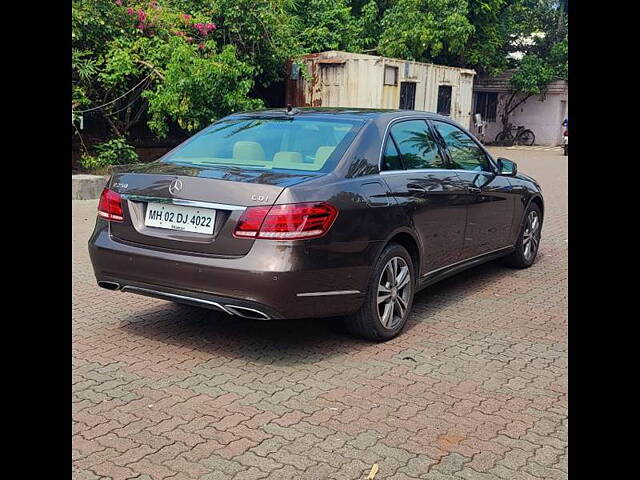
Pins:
x,y
507,167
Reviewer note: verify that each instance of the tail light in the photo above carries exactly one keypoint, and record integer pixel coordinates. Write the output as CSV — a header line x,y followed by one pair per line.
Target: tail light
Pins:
x,y
286,222
110,206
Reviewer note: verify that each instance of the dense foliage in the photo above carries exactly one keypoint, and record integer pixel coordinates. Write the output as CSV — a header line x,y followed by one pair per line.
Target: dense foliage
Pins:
x,y
112,152
425,29
184,63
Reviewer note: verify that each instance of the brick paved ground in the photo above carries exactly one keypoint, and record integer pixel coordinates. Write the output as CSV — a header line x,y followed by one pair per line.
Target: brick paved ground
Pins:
x,y
475,387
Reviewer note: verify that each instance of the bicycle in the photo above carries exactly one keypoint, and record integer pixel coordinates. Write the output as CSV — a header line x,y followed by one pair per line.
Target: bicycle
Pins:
x,y
523,136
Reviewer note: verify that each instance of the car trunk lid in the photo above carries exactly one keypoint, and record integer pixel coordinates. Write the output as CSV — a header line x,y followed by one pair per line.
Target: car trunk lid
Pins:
x,y
227,190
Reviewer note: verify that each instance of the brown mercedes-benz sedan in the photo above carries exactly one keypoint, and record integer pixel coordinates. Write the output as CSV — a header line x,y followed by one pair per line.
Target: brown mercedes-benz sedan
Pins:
x,y
314,213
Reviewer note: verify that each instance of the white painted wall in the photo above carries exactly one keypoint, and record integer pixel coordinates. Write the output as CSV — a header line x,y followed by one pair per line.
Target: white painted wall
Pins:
x,y
543,117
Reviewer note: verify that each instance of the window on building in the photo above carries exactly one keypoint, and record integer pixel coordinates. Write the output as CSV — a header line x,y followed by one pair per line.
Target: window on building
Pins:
x,y
444,99
407,95
390,75
331,73
487,105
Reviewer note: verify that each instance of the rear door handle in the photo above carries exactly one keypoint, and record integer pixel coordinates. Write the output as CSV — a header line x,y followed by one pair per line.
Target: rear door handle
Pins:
x,y
473,189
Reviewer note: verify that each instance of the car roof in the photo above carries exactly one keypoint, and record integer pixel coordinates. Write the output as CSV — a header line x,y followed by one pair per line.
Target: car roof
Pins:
x,y
343,112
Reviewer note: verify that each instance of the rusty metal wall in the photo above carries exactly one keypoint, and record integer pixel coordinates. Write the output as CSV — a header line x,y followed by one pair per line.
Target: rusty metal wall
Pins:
x,y
341,79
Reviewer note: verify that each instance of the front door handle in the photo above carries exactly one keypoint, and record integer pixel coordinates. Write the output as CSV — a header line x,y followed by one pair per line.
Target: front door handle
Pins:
x,y
416,188
473,189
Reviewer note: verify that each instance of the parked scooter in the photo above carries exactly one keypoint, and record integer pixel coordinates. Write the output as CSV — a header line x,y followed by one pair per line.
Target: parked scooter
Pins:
x,y
565,138
481,127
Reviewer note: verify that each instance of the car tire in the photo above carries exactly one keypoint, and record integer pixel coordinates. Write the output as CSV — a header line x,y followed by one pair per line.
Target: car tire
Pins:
x,y
381,321
526,248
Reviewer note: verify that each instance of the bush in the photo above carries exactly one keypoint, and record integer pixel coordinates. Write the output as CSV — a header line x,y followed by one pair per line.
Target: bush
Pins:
x,y
199,88
113,152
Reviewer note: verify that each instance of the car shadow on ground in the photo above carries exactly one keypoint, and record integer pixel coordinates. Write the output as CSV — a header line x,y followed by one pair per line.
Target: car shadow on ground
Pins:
x,y
287,342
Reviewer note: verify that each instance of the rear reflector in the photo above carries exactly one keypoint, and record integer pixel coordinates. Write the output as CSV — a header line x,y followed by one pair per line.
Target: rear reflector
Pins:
x,y
110,206
286,222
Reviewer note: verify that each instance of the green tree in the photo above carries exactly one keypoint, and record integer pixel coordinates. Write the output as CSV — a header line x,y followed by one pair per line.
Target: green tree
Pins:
x,y
196,89
541,43
326,25
173,66
188,62
369,16
425,30
488,45
262,32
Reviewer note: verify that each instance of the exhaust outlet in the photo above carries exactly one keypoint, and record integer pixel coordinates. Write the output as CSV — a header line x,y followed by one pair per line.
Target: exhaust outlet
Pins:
x,y
249,313
109,285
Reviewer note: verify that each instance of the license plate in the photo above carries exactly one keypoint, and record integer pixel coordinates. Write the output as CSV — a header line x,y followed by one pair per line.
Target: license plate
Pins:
x,y
177,217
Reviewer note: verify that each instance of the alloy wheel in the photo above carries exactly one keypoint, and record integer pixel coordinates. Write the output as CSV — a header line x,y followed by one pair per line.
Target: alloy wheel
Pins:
x,y
531,235
394,292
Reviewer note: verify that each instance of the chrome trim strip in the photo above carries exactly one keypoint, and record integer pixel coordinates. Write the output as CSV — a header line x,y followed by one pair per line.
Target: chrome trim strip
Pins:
x,y
181,201
323,294
466,260
429,170
173,295
237,310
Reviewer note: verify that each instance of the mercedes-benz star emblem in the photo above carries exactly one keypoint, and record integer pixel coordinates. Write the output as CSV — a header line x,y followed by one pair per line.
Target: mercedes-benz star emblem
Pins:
x,y
175,186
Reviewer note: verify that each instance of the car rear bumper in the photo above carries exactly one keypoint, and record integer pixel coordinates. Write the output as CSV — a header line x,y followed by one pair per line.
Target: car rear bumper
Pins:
x,y
240,308
275,279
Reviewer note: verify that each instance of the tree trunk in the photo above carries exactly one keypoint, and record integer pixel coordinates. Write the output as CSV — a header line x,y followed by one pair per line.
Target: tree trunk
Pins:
x,y
509,109
112,125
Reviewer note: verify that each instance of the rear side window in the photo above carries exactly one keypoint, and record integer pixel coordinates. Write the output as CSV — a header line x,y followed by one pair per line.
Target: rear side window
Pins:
x,y
295,143
464,151
391,158
418,148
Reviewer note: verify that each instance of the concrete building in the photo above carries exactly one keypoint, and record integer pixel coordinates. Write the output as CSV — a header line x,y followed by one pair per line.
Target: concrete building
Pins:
x,y
541,114
341,79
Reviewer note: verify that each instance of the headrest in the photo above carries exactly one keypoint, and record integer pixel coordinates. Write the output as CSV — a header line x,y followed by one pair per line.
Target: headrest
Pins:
x,y
285,159
248,151
323,153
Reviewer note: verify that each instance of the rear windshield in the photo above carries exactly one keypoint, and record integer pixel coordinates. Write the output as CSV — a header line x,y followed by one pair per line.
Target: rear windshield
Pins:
x,y
308,144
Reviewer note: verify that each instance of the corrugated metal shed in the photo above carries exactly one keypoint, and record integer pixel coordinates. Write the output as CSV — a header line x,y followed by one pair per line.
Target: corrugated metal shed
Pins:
x,y
342,79
500,83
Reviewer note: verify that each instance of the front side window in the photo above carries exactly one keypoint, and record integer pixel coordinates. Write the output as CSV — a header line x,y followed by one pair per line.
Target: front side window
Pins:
x,y
464,151
294,143
418,148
